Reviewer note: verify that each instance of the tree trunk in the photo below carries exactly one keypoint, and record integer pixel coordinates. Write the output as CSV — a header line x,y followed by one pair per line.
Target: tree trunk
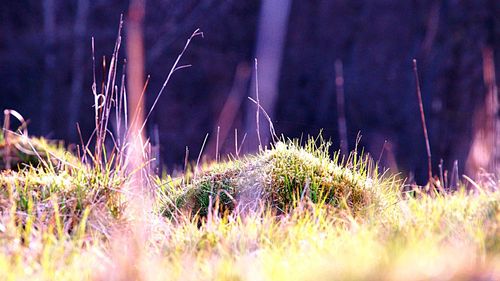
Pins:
x,y
271,31
137,188
484,151
135,67
49,27
79,30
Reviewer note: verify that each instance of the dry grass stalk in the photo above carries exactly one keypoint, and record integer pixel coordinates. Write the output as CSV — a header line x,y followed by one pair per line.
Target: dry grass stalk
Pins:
x,y
422,118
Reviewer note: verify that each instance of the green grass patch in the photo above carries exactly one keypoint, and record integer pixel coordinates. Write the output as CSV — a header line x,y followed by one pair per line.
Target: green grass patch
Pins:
x,y
50,187
292,212
284,176
19,151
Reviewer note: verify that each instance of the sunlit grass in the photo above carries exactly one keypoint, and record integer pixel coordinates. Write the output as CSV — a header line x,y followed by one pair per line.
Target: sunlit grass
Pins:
x,y
306,244
316,217
52,189
284,176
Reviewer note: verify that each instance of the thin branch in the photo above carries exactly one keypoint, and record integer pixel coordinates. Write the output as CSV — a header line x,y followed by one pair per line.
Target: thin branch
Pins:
x,y
422,117
341,119
186,159
236,141
199,154
271,126
241,145
257,117
174,68
217,145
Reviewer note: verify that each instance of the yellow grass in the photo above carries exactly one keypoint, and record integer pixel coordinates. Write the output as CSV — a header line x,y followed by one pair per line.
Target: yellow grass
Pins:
x,y
46,235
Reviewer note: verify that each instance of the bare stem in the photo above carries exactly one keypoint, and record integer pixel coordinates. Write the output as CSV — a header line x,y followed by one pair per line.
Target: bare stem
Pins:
x,y
422,117
257,117
341,119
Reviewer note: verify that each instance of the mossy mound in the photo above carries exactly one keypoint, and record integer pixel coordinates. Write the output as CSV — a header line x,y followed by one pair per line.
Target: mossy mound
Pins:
x,y
42,195
46,183
282,177
17,152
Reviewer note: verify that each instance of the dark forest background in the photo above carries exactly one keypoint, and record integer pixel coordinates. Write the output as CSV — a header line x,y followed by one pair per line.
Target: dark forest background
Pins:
x,y
46,72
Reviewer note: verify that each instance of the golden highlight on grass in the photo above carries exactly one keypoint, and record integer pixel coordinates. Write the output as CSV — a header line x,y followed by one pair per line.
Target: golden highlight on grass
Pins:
x,y
290,212
283,176
317,218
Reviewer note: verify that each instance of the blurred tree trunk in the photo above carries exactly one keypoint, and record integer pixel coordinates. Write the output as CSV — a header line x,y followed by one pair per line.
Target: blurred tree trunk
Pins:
x,y
78,73
135,67
139,201
484,153
135,86
272,30
49,28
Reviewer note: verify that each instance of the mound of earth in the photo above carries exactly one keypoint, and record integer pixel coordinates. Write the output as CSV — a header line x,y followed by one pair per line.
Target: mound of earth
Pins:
x,y
280,178
18,151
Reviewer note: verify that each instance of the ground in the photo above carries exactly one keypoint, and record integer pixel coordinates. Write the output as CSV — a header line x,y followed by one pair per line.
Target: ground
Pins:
x,y
292,212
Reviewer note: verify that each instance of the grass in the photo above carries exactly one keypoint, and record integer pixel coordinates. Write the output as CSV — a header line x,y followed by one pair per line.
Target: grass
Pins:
x,y
56,190
317,218
291,212
19,151
282,177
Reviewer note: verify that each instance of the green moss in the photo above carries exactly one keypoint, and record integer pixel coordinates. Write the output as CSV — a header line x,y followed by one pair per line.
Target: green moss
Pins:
x,y
284,176
46,182
20,151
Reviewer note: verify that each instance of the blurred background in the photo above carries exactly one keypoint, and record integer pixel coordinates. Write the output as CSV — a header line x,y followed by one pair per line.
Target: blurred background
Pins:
x,y
343,67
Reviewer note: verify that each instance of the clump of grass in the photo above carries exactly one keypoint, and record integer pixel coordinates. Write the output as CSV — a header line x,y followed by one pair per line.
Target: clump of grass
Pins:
x,y
436,238
431,237
63,197
283,176
49,186
47,208
20,151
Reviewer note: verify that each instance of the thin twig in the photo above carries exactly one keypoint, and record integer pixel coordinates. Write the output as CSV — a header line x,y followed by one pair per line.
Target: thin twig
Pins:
x,y
257,117
441,177
476,186
454,180
236,141
201,152
271,126
186,159
217,145
174,68
6,135
341,119
120,95
241,144
83,157
422,117
381,153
